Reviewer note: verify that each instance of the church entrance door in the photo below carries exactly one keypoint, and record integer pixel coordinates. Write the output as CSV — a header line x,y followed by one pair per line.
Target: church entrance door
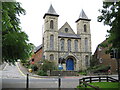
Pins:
x,y
70,64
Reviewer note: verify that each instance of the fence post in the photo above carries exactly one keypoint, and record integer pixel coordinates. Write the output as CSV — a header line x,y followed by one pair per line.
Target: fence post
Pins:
x,y
99,79
27,81
84,81
79,82
90,80
107,79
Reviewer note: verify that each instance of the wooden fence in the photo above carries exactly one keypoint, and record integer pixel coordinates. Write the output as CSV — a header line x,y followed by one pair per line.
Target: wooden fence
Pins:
x,y
84,81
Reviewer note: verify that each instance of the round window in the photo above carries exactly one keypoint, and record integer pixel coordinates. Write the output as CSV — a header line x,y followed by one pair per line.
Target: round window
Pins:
x,y
66,29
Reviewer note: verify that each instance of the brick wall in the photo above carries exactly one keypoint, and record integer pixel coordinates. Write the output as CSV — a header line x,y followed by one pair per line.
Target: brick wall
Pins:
x,y
38,55
104,59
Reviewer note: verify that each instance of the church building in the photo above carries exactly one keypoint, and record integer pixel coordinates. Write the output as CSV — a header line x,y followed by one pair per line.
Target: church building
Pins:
x,y
63,46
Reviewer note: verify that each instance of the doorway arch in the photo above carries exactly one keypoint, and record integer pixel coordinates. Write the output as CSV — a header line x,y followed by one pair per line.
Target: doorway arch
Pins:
x,y
69,64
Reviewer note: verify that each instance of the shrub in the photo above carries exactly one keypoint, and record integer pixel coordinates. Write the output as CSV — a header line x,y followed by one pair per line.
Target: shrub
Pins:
x,y
83,73
33,67
41,73
47,65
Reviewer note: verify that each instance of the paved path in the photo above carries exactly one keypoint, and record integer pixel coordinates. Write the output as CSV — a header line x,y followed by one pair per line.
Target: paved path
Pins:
x,y
11,71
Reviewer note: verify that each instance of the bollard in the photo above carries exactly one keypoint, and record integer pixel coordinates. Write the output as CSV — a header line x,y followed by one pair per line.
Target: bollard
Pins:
x,y
27,81
59,81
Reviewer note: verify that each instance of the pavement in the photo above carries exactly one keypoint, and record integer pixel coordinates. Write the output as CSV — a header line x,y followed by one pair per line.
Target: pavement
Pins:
x,y
24,72
20,71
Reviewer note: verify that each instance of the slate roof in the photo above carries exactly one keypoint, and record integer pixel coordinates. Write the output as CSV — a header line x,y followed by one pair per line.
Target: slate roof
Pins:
x,y
37,48
83,16
68,35
51,11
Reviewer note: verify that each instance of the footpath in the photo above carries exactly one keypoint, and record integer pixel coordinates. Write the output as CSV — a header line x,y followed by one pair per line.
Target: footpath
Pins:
x,y
24,72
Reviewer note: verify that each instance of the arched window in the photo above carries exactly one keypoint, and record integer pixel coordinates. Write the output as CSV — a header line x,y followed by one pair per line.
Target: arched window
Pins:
x,y
51,42
85,28
69,44
62,44
86,44
51,57
51,24
76,45
86,60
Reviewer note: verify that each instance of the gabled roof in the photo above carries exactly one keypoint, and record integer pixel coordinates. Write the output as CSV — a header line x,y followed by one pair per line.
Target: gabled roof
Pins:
x,y
51,11
67,34
66,25
37,48
83,16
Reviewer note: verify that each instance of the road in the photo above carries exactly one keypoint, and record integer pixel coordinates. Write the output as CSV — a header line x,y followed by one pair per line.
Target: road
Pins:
x,y
13,78
40,83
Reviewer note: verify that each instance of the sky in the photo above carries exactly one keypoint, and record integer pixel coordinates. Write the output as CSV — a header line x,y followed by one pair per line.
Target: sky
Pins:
x,y
69,11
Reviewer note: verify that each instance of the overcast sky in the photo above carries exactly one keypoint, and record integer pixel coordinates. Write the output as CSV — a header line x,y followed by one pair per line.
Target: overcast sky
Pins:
x,y
69,11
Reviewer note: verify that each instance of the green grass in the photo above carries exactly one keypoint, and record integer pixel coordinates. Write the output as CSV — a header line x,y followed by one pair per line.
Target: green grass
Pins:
x,y
104,85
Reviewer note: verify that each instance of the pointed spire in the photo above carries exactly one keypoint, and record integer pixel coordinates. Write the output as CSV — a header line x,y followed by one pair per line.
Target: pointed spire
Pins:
x,y
51,11
83,16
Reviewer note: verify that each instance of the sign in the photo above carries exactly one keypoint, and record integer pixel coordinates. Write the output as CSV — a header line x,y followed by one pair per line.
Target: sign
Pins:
x,y
60,67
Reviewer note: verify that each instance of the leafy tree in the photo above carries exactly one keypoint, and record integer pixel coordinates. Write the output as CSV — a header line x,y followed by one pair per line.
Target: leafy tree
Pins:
x,y
111,17
14,41
48,65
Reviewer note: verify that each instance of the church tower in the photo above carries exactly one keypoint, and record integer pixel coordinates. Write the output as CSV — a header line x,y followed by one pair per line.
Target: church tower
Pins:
x,y
50,37
83,29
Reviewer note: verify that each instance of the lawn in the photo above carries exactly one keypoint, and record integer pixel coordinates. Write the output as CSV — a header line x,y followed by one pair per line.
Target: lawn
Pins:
x,y
105,84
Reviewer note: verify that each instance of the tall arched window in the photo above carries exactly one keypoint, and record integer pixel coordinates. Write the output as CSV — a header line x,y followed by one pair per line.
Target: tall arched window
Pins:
x,y
76,45
69,44
51,24
51,42
85,28
62,44
86,44
51,57
86,60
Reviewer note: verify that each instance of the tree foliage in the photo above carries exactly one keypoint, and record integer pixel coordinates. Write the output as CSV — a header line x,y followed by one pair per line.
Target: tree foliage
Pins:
x,y
14,41
111,17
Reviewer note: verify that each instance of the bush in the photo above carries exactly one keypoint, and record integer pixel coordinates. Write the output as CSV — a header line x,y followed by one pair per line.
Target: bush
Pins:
x,y
42,73
100,68
83,73
33,67
47,65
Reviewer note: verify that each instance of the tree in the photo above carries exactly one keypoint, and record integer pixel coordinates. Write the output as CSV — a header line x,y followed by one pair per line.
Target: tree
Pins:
x,y
14,41
111,16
